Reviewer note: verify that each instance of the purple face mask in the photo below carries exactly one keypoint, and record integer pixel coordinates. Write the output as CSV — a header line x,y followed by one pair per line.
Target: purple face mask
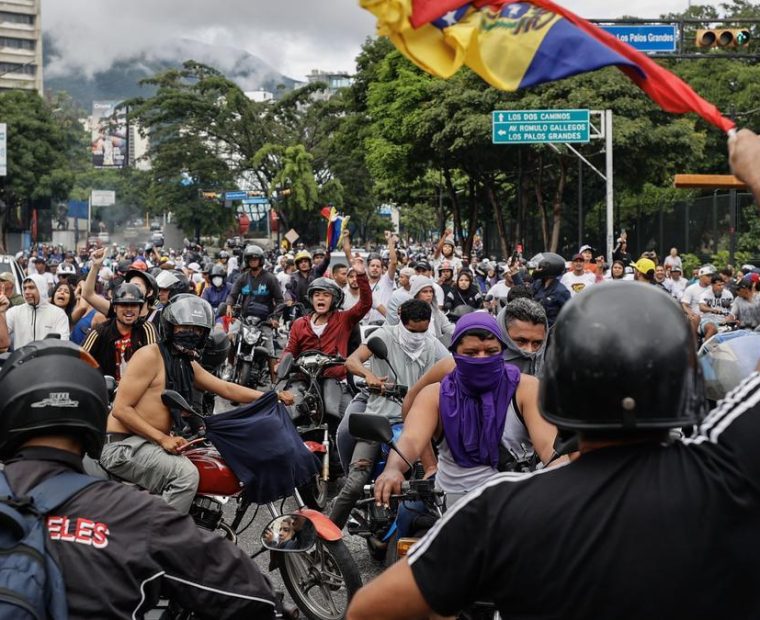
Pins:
x,y
473,404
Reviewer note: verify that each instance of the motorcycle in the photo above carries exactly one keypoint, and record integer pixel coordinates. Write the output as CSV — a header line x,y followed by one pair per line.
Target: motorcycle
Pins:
x,y
320,578
311,418
377,525
421,498
251,361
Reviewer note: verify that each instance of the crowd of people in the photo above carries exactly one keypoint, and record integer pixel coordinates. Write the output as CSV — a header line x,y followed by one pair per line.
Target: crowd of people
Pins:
x,y
501,359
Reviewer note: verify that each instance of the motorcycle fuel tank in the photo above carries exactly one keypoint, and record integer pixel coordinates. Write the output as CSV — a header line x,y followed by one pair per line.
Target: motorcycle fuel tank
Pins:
x,y
216,478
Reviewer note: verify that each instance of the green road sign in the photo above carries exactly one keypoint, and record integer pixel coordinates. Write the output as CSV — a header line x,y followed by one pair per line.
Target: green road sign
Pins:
x,y
540,126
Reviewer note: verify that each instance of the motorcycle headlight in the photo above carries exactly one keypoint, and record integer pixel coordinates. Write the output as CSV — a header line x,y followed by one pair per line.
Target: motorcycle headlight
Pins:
x,y
251,336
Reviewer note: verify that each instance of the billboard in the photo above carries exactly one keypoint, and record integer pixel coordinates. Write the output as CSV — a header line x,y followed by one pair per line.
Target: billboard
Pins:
x,y
109,135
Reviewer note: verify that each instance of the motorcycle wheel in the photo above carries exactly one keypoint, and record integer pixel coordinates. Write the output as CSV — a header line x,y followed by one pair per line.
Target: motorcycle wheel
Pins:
x,y
322,581
314,494
244,374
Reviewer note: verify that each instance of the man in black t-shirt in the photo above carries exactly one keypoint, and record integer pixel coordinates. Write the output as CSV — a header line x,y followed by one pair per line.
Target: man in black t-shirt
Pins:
x,y
641,525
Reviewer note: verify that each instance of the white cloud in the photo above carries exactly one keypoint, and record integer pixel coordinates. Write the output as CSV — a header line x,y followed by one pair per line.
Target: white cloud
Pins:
x,y
292,37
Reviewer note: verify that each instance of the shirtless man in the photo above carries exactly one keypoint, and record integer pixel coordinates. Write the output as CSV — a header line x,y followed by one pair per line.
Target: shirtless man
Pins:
x,y
140,446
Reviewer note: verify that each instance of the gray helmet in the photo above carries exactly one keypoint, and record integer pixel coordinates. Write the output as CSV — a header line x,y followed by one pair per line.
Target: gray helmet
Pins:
x,y
187,309
219,270
253,251
128,294
329,286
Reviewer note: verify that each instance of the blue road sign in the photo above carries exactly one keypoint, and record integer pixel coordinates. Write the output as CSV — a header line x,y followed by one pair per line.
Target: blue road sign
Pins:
x,y
235,195
540,126
646,37
256,200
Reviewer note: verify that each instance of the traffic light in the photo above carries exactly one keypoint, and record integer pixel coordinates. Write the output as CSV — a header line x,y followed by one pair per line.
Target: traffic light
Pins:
x,y
723,37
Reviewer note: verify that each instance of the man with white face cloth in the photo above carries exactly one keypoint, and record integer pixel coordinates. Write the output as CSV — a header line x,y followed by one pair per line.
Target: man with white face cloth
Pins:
x,y
411,351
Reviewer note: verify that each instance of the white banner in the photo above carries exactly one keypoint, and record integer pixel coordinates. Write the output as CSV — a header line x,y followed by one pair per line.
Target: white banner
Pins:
x,y
3,149
103,198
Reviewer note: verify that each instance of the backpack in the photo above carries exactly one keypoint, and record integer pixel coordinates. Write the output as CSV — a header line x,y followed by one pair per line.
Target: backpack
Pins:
x,y
31,584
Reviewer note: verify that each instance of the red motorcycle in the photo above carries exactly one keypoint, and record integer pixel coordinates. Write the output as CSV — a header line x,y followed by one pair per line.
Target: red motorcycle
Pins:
x,y
320,577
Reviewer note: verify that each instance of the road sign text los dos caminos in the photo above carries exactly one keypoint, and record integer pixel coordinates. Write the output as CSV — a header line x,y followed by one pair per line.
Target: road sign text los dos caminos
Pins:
x,y
540,126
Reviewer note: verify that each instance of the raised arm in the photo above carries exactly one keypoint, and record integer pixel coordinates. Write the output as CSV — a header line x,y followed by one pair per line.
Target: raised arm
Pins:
x,y
101,304
392,256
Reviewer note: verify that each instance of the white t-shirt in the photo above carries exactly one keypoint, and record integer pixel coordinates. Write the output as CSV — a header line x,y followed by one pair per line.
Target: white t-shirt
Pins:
x,y
349,300
672,261
575,284
691,296
381,295
284,279
721,305
500,290
676,287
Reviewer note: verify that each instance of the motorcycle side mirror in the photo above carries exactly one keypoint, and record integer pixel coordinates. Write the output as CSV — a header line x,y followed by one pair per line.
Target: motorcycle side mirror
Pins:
x,y
370,427
286,363
373,427
290,533
174,400
378,348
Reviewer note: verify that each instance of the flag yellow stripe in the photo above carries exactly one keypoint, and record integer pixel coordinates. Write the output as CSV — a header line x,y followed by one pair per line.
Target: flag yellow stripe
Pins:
x,y
499,49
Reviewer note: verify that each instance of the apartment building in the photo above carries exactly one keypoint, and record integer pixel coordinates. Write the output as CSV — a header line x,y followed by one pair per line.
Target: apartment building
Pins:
x,y
20,45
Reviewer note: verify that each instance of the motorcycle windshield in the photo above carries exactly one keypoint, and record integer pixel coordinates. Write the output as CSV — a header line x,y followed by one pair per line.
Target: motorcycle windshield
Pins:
x,y
260,444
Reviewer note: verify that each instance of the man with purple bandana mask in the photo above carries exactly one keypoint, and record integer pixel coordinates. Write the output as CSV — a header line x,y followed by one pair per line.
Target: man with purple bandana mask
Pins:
x,y
480,414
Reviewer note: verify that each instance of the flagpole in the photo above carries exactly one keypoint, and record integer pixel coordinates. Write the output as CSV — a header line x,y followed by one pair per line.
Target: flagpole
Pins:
x,y
610,186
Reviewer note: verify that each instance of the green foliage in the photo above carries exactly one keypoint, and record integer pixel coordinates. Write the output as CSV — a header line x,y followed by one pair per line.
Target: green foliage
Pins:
x,y
689,263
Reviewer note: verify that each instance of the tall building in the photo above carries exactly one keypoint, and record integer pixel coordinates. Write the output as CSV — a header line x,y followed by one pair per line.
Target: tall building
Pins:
x,y
20,45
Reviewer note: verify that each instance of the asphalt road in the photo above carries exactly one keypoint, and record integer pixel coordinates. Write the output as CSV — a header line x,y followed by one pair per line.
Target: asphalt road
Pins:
x,y
253,525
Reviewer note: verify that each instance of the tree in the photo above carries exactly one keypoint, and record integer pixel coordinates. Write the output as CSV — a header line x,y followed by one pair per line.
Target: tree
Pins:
x,y
38,157
205,131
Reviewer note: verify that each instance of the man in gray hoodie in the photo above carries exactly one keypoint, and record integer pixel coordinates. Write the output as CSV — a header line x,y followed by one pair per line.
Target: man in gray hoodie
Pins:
x,y
36,318
526,328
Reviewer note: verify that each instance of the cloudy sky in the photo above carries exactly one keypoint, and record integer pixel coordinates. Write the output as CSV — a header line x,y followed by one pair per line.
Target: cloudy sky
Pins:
x,y
293,37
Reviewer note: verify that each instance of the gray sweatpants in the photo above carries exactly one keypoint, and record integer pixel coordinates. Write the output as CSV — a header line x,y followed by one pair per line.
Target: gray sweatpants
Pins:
x,y
148,465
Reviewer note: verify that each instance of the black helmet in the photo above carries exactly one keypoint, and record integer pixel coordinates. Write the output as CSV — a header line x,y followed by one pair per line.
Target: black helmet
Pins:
x,y
150,282
253,251
123,266
548,265
51,387
219,270
621,358
320,251
128,294
329,286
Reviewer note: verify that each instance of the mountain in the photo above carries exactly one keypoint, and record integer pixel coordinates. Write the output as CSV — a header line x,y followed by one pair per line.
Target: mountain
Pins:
x,y
121,80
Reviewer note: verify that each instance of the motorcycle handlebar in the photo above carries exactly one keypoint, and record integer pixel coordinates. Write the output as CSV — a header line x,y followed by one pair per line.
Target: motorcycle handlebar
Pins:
x,y
389,390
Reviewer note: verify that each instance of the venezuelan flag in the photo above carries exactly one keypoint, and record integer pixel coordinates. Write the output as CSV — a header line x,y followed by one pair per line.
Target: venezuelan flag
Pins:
x,y
514,45
337,227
